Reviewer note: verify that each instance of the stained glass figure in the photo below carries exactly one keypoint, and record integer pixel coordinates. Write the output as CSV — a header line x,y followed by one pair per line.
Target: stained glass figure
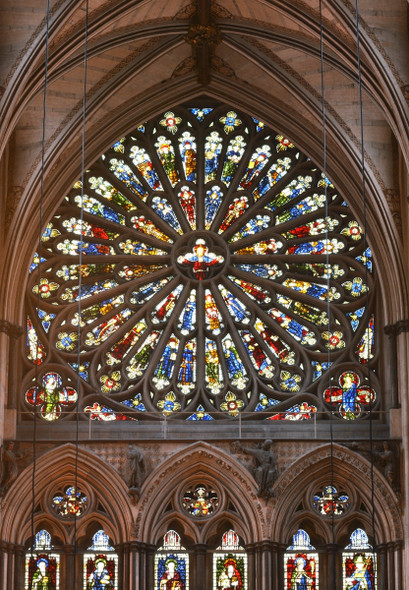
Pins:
x,y
69,503
52,398
35,349
42,565
200,260
298,412
234,365
330,502
365,350
164,369
213,317
166,155
171,564
200,501
230,564
194,276
164,309
187,369
350,396
359,563
212,150
144,164
187,146
187,199
104,414
235,151
100,571
301,564
187,320
213,372
213,201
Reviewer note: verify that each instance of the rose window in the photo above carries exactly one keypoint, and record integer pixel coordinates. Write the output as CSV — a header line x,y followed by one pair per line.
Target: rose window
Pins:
x,y
206,269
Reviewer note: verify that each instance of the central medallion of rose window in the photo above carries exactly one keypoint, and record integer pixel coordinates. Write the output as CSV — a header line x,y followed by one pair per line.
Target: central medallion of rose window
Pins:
x,y
201,259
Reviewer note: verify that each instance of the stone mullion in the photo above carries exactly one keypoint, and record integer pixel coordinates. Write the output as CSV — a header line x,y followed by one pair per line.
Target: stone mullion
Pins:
x,y
198,568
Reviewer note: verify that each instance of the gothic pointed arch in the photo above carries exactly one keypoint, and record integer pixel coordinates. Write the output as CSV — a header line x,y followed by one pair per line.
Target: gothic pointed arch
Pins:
x,y
93,475
349,470
200,460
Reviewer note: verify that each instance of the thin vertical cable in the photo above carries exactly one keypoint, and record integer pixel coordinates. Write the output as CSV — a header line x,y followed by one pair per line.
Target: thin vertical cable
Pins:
x,y
80,256
327,262
40,232
367,341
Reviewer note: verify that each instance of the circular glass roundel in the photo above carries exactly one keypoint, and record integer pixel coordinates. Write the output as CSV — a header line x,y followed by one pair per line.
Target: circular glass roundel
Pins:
x,y
206,268
200,501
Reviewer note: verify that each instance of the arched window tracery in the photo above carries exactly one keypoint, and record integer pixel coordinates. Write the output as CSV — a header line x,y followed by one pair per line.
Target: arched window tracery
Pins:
x,y
210,247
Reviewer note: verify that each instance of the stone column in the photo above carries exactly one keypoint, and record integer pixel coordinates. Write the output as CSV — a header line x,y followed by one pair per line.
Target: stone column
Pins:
x,y
266,552
392,332
10,565
391,566
398,565
19,552
149,565
382,571
197,565
123,565
251,577
276,580
332,574
134,565
69,567
9,333
3,564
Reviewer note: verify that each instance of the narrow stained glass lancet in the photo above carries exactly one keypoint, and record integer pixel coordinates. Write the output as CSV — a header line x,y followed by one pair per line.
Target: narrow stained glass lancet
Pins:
x,y
100,564
210,247
358,563
230,563
301,564
171,564
42,565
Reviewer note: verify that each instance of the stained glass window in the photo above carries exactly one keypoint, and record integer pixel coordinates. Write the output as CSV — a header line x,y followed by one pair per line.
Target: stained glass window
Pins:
x,y
212,266
358,563
330,502
171,564
200,501
230,564
100,564
42,565
69,503
301,564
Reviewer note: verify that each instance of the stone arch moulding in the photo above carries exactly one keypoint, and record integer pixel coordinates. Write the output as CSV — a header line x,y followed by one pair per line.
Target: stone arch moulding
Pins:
x,y
346,465
199,458
104,481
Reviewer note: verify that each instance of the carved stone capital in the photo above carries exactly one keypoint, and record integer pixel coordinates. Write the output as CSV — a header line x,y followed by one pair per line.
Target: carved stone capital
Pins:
x,y
397,328
11,329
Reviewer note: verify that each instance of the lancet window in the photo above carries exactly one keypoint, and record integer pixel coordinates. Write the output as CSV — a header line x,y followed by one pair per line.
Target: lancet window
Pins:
x,y
42,564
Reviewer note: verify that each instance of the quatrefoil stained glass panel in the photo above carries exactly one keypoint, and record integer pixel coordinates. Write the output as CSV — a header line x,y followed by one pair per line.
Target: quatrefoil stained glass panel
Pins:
x,y
206,268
